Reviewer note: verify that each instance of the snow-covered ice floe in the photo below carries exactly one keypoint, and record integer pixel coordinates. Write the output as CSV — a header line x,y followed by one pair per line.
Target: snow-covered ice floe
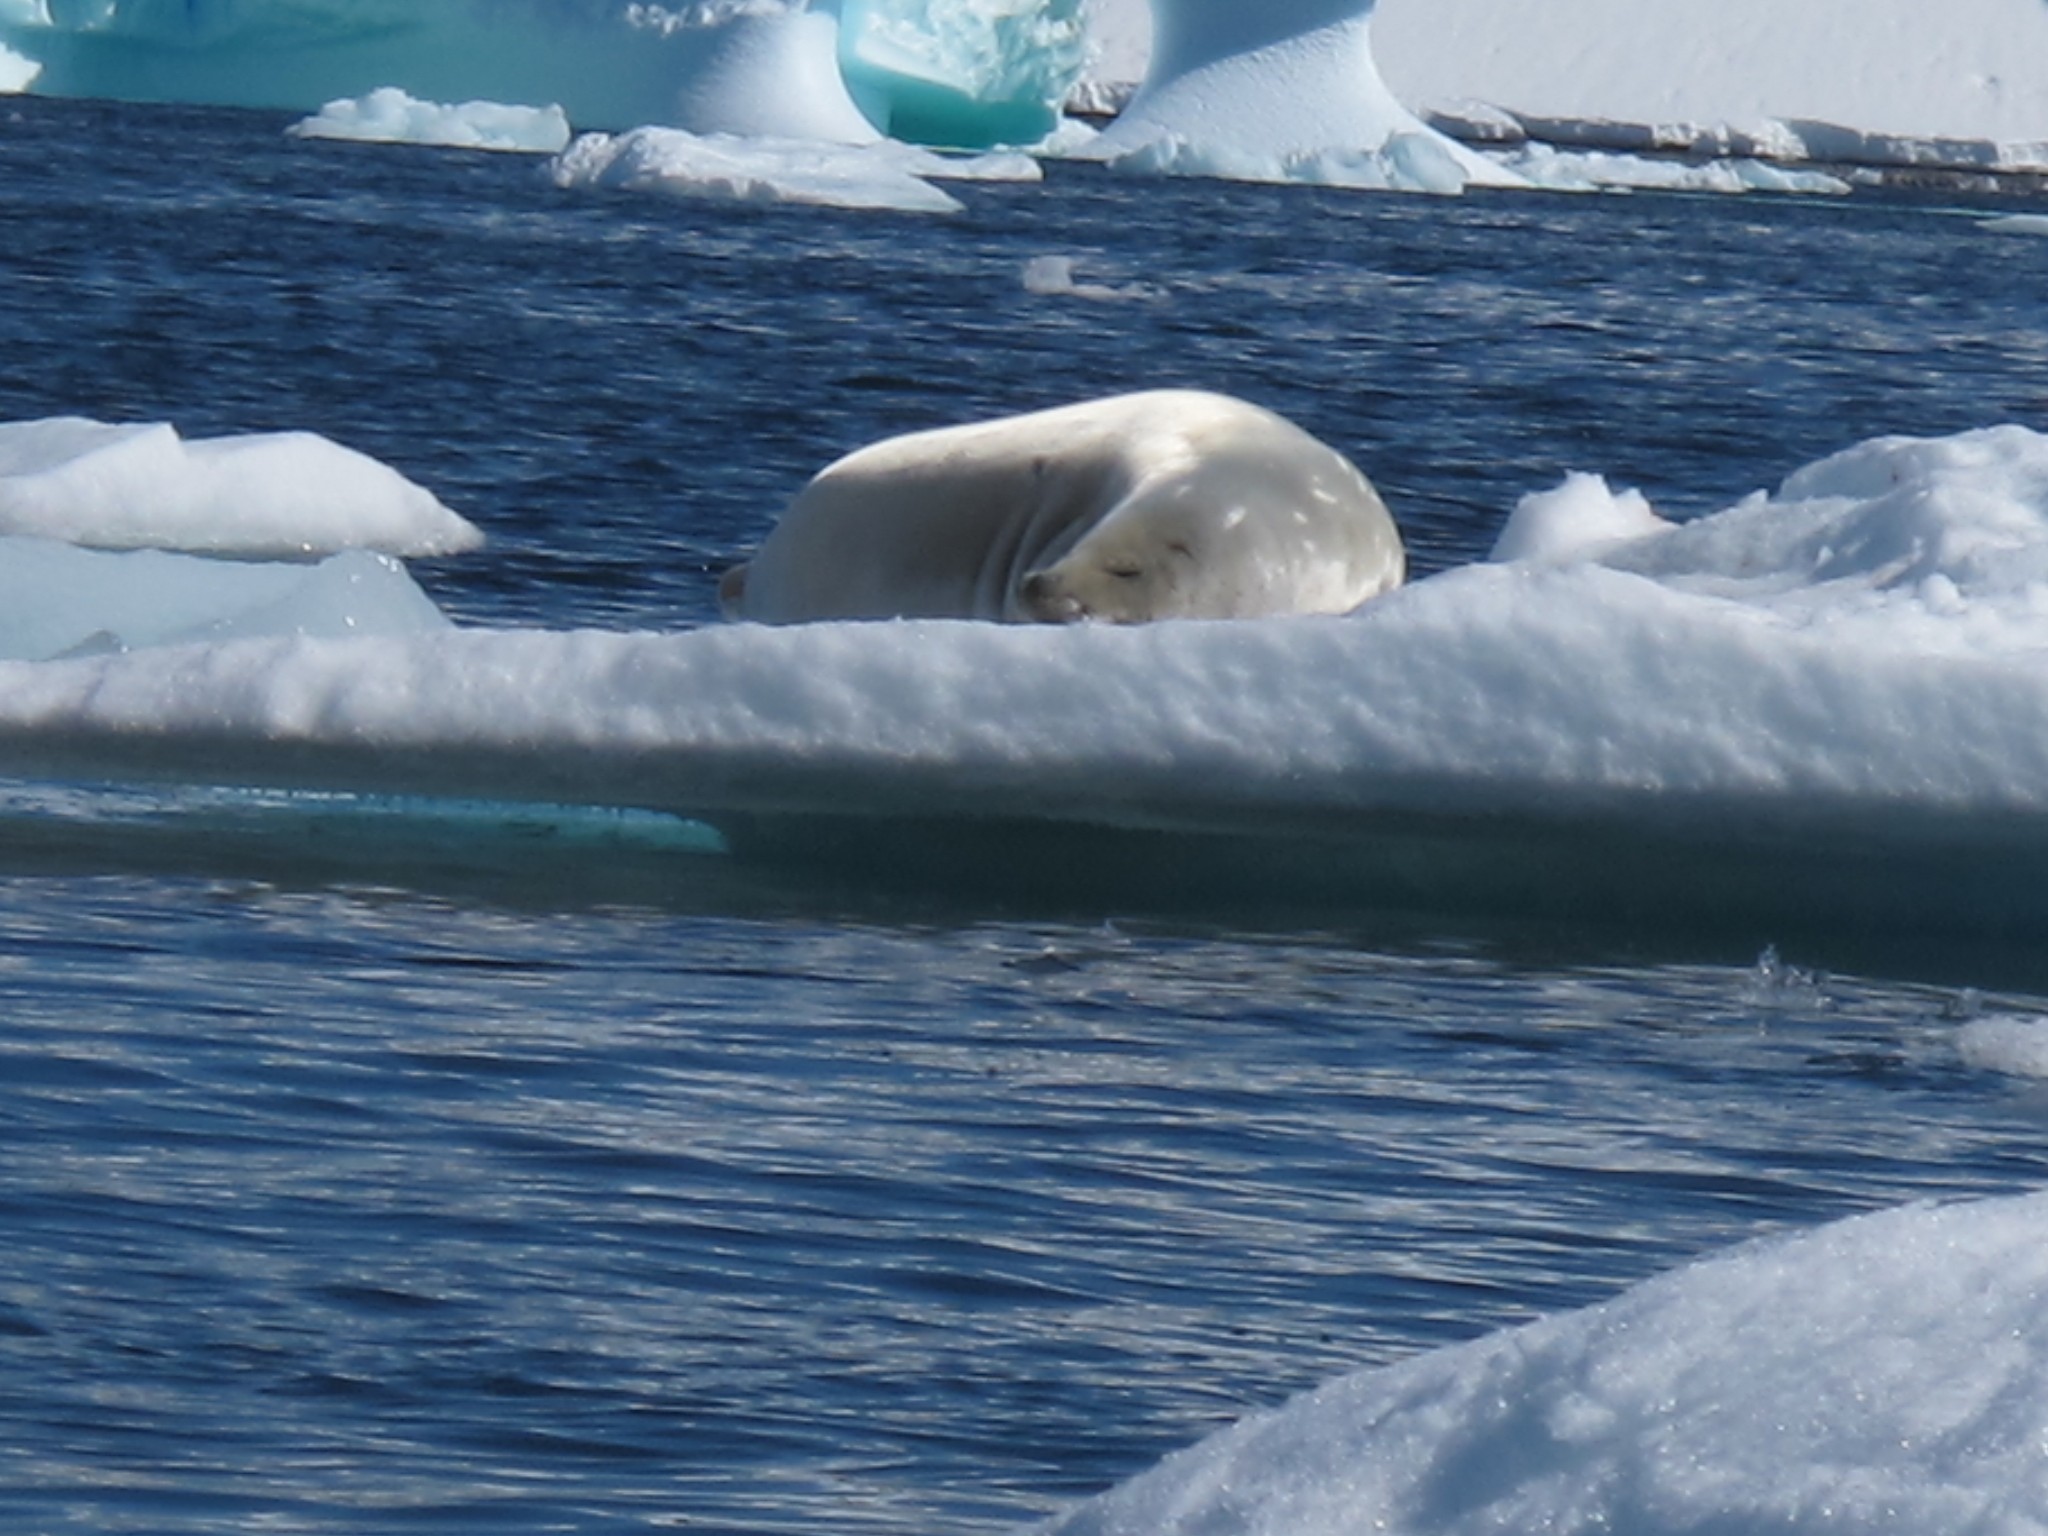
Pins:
x,y
1832,698
1883,1376
389,116
884,174
290,494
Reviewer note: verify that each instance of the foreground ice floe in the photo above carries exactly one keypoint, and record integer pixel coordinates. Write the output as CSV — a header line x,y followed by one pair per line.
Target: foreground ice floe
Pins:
x,y
1861,653
884,174
1884,1376
264,494
390,116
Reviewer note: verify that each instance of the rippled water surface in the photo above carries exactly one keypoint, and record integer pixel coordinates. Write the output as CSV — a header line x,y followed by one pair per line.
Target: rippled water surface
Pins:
x,y
403,1169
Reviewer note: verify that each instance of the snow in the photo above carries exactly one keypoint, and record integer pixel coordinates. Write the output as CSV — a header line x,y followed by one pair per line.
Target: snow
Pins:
x,y
389,116
57,600
1883,1376
880,175
265,494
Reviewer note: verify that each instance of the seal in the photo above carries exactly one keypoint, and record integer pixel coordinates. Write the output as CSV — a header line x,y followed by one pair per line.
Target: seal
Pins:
x,y
1163,504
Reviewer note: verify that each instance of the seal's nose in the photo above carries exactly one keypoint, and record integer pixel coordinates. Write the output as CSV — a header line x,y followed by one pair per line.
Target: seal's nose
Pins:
x,y
1044,601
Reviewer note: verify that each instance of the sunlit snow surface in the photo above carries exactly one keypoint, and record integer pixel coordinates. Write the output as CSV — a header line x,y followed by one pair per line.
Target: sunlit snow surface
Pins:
x,y
1887,1374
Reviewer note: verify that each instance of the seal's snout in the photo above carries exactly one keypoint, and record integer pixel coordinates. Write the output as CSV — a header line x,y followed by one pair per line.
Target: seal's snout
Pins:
x,y
1045,601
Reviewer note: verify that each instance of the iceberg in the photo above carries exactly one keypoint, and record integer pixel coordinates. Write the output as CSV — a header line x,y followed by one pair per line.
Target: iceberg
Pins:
x,y
390,116
1285,91
1885,1374
945,71
1829,699
273,494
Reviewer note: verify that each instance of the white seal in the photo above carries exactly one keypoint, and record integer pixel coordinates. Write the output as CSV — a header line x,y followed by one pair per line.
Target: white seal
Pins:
x,y
1165,504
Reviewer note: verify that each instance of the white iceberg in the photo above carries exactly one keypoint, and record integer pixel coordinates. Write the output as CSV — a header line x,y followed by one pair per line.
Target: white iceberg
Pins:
x,y
1884,1376
267,494
390,116
1286,91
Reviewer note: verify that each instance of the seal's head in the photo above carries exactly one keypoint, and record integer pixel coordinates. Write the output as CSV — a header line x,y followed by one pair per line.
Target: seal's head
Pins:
x,y
1114,581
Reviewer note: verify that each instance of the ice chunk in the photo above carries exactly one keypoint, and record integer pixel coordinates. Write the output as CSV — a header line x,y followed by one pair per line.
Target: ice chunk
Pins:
x,y
885,174
389,116
264,494
16,73
58,600
1053,276
2008,1043
1562,170
1579,519
1886,1375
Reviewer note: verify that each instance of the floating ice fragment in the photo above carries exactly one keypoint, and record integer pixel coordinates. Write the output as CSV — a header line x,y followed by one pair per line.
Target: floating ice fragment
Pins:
x,y
390,116
60,601
260,495
16,73
882,175
1561,170
2006,1043
2017,224
1053,276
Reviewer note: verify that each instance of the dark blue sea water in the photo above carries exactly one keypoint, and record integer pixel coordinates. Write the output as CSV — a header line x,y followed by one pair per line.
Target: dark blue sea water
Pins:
x,y
371,1170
